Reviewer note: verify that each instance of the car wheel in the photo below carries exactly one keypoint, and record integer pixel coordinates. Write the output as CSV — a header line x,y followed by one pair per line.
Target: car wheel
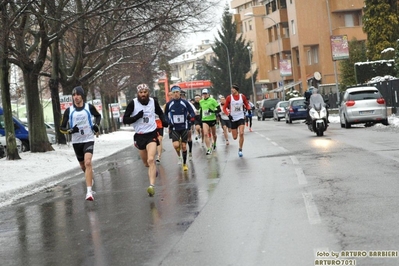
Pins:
x,y
289,120
347,124
258,118
263,118
25,146
369,124
278,119
385,122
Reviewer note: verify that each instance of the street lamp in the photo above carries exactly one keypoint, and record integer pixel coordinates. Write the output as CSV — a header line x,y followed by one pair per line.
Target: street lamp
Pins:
x,y
252,76
250,14
335,62
228,62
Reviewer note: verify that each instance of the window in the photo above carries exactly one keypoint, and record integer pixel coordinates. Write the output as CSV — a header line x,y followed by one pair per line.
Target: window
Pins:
x,y
250,25
309,56
293,27
349,20
315,53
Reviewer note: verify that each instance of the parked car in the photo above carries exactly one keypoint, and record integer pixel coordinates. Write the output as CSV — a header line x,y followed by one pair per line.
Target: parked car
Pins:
x,y
51,135
296,110
279,110
362,105
21,132
4,143
2,151
266,108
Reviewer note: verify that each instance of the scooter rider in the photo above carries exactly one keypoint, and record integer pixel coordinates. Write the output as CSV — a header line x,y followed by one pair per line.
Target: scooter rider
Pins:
x,y
315,99
307,95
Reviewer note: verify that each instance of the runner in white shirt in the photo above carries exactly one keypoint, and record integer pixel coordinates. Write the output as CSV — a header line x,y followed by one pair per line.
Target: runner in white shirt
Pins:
x,y
141,113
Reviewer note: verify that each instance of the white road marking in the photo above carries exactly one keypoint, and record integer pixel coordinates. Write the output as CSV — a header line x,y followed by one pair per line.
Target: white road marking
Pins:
x,y
294,160
301,176
311,209
274,143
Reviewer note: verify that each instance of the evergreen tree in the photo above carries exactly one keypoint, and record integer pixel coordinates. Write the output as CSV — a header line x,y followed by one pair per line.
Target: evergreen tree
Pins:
x,y
229,48
357,53
202,71
381,26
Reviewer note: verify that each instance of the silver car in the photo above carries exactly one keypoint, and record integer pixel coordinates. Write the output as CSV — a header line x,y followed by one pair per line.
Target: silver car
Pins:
x,y
279,110
362,105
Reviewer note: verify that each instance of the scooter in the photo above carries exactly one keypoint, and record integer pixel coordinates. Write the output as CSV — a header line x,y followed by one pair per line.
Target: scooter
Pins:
x,y
318,115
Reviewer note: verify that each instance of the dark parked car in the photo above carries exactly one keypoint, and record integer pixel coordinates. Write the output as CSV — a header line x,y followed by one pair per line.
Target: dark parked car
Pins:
x,y
296,110
266,108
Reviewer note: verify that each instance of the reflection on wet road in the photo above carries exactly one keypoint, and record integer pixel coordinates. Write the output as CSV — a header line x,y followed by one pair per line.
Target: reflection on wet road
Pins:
x,y
123,226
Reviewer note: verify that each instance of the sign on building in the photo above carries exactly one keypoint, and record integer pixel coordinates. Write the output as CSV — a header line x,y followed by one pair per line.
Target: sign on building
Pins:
x,y
65,102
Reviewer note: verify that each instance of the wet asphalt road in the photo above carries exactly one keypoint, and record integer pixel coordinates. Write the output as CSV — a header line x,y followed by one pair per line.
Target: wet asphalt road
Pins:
x,y
292,195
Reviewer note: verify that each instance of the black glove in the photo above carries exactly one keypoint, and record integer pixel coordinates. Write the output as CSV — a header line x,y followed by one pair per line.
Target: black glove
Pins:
x,y
249,112
230,117
139,115
165,123
75,129
95,128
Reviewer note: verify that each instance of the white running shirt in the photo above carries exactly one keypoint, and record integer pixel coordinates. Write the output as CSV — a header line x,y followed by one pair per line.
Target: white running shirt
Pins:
x,y
83,121
236,108
147,123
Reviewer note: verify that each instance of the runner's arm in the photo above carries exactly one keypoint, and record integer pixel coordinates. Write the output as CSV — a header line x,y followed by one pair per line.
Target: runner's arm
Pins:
x,y
127,120
95,113
64,122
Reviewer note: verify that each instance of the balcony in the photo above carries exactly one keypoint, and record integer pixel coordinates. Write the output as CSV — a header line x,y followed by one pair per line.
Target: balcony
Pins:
x,y
351,32
339,5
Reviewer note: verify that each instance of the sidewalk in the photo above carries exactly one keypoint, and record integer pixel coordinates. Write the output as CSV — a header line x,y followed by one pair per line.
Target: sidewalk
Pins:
x,y
36,171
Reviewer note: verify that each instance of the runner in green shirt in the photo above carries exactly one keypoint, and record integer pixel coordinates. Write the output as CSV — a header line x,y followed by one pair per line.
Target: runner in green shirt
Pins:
x,y
209,108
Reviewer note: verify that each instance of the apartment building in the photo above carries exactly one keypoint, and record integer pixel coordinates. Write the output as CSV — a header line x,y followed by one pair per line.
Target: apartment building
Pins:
x,y
290,40
184,66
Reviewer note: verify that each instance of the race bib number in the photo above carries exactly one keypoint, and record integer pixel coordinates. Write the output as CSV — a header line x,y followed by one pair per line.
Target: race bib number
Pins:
x,y
178,119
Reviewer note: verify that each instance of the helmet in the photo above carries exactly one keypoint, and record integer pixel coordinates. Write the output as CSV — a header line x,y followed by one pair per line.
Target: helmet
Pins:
x,y
205,91
142,86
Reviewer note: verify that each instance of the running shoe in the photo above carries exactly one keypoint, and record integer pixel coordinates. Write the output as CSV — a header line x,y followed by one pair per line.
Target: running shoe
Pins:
x,y
89,196
239,153
190,156
180,160
185,167
214,146
209,152
250,129
151,191
227,142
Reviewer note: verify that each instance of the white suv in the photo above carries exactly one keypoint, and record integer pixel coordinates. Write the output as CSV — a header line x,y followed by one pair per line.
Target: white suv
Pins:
x,y
362,105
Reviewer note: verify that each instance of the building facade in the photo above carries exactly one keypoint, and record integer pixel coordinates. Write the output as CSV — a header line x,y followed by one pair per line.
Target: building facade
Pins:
x,y
291,39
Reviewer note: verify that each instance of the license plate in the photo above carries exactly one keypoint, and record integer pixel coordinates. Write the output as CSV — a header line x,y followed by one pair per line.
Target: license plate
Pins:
x,y
366,112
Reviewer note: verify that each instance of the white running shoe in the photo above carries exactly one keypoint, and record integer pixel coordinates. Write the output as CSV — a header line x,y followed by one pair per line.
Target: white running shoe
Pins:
x,y
89,196
180,160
